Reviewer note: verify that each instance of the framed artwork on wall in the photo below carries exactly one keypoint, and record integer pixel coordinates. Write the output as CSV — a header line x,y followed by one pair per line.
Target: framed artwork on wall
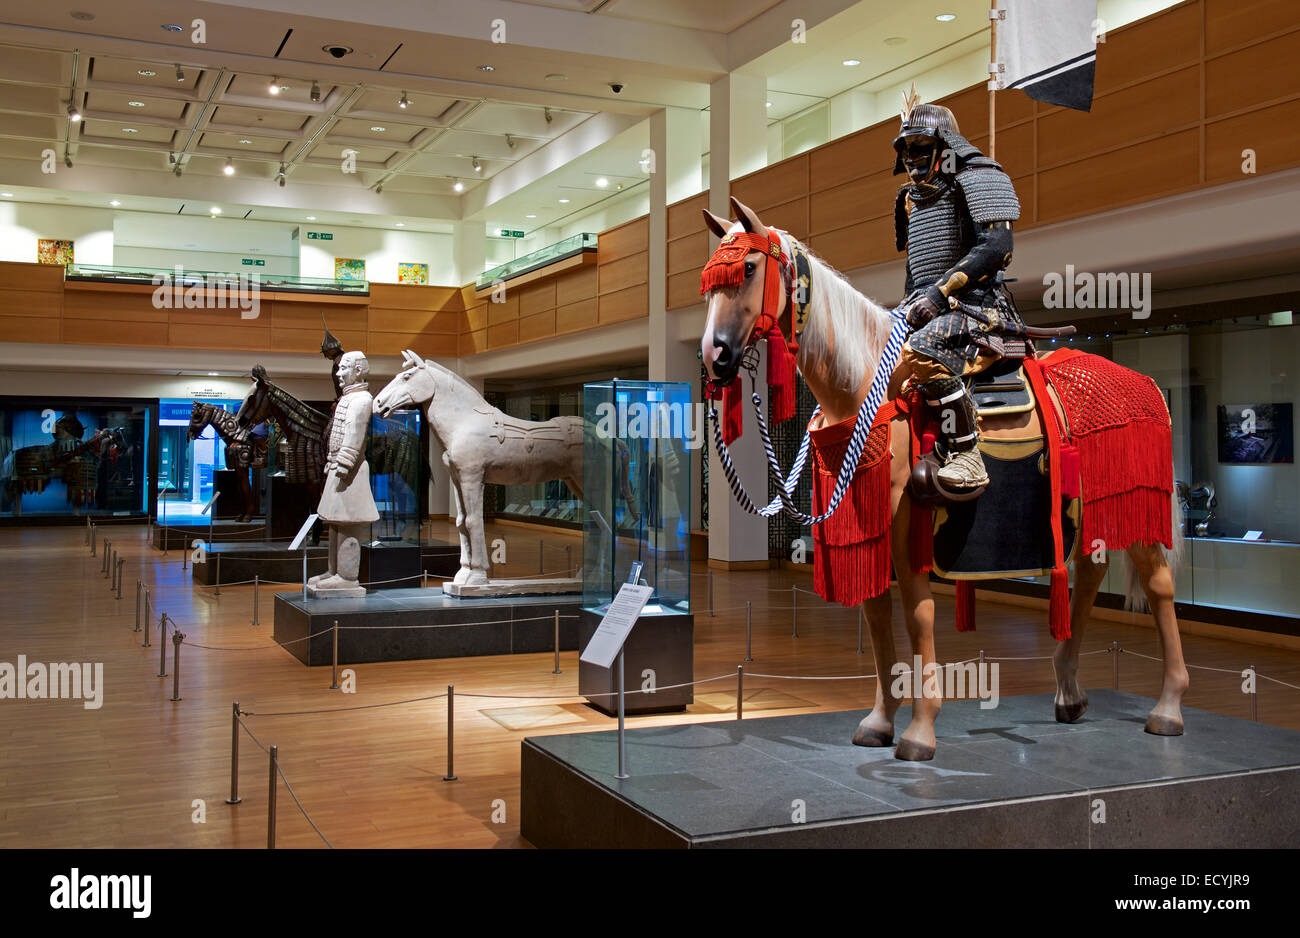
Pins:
x,y
54,251
413,273
1255,434
349,268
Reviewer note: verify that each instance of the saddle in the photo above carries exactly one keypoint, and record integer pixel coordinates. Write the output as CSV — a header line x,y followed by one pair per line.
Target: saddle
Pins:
x,y
505,427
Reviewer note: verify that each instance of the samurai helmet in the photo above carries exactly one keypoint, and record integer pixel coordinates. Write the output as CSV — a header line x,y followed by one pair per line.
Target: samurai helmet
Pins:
x,y
330,346
920,140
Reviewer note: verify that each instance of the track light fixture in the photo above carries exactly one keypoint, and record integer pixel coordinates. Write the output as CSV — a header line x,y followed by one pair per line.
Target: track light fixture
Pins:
x,y
403,102
274,87
511,142
549,116
478,167
74,112
280,176
379,189
458,186
315,91
229,168
180,74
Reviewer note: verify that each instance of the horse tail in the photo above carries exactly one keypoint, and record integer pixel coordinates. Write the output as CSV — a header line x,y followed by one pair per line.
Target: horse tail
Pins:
x,y
1135,599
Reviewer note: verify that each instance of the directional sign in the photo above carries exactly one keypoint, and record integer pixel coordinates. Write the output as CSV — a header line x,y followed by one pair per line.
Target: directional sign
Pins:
x,y
616,625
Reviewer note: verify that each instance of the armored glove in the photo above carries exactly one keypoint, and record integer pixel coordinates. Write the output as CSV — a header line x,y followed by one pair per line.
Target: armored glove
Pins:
x,y
924,306
345,459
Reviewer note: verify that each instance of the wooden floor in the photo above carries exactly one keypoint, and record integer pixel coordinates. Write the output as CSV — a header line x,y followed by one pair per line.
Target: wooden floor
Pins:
x,y
127,775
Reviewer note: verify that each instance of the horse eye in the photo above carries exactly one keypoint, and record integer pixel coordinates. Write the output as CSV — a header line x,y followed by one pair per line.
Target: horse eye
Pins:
x,y
749,268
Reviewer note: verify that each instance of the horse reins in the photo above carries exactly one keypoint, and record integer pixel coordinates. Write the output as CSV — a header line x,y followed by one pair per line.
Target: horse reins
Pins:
x,y
721,272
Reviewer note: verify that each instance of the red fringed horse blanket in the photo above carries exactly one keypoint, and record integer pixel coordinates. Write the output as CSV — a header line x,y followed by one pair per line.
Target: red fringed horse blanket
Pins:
x,y
1118,420
851,547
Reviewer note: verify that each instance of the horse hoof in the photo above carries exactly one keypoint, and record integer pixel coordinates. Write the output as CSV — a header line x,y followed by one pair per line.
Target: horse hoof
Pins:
x,y
1068,713
909,751
866,736
1163,726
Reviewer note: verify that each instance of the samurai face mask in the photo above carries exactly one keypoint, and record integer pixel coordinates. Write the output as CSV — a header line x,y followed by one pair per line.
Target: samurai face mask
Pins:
x,y
921,155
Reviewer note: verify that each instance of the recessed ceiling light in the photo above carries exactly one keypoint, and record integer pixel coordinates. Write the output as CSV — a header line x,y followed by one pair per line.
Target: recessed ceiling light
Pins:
x,y
215,210
229,168
129,130
946,17
212,374
7,195
556,76
274,86
146,72
478,167
851,62
311,217
135,104
458,186
171,27
487,68
245,140
401,224
114,202
564,201
769,104
403,102
377,129
602,182
530,216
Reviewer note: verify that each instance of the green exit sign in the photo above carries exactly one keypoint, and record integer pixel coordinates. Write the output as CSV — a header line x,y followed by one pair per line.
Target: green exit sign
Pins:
x,y
509,233
319,236
253,262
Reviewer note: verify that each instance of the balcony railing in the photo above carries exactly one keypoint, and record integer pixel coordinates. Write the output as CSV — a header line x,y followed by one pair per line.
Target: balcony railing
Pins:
x,y
560,250
210,279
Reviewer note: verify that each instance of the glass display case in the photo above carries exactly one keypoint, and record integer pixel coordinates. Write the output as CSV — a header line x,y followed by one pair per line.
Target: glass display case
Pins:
x,y
549,503
560,250
65,458
637,491
212,280
399,475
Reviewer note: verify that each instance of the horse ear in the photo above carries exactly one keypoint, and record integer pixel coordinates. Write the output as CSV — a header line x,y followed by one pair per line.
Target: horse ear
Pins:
x,y
716,224
259,373
415,358
748,219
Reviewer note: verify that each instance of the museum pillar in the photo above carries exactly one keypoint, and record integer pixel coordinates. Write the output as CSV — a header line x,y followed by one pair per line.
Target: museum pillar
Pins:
x,y
674,175
469,249
737,146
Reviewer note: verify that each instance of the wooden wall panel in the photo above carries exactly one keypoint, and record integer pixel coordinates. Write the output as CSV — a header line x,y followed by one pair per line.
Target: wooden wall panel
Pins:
x,y
684,289
1230,23
1270,132
1157,44
410,320
623,305
242,337
690,252
537,297
503,335
101,332
506,311
44,278
625,240
1133,174
537,326
576,317
471,343
623,273
31,329
1252,76
575,286
864,198
859,154
686,217
781,182
426,345
39,304
292,314
869,242
308,340
475,318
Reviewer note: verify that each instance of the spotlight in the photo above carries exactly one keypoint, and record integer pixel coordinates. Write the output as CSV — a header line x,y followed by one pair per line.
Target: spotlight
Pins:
x,y
478,167
602,182
274,87
511,142
458,186
74,112
180,74
229,168
403,102
315,91
280,176
379,189
549,116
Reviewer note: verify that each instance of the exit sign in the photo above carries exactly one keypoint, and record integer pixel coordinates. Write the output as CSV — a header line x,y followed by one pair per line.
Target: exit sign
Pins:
x,y
319,236
253,262
509,233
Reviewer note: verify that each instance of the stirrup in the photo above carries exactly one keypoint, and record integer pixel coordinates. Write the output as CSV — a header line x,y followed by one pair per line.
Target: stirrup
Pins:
x,y
927,490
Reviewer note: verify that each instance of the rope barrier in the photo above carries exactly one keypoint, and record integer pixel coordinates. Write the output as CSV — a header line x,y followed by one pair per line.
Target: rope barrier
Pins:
x,y
299,804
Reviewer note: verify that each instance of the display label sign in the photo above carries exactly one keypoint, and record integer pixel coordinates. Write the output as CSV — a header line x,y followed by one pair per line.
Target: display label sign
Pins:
x,y
303,531
616,625
211,501
319,236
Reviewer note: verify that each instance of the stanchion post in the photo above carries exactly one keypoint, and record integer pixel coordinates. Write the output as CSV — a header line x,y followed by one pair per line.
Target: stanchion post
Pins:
x,y
568,559
217,591
740,692
424,579
270,799
234,755
93,535
541,556
86,537
185,557
557,642
1114,651
749,634
334,668
138,591
103,567
177,638
451,733
162,645
256,583
145,616
710,594
860,617
794,612
120,564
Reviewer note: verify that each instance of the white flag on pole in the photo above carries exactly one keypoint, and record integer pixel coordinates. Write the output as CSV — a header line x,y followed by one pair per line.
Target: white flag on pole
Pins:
x,y
1048,49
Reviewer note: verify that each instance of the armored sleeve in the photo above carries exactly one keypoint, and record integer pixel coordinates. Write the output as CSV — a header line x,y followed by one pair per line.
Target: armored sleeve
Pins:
x,y
992,205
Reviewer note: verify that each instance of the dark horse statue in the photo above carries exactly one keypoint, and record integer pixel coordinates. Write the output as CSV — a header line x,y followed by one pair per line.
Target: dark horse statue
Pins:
x,y
243,450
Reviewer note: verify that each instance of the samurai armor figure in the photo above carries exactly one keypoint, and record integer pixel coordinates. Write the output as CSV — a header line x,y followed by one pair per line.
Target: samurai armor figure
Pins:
x,y
953,218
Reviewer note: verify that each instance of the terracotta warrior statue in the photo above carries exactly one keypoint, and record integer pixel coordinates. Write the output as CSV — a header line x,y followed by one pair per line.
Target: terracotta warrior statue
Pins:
x,y
346,505
954,218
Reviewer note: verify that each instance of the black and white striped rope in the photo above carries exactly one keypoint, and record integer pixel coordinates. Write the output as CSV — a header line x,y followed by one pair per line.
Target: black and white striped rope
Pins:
x,y
785,485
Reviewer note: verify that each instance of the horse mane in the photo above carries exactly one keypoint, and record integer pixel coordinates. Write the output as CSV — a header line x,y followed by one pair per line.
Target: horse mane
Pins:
x,y
857,326
455,378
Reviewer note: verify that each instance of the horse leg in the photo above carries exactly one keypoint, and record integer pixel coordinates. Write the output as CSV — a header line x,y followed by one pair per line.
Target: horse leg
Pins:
x,y
1166,717
918,742
1071,701
877,727
471,494
463,574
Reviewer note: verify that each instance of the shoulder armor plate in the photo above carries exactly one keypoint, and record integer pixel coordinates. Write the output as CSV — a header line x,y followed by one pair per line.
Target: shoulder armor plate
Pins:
x,y
989,194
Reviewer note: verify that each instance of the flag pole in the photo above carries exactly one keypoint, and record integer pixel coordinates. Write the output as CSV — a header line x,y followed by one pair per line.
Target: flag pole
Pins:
x,y
993,81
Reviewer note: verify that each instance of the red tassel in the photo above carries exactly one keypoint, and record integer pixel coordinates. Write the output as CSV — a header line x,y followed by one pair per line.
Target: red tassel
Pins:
x,y
1058,615
920,539
733,418
780,376
965,606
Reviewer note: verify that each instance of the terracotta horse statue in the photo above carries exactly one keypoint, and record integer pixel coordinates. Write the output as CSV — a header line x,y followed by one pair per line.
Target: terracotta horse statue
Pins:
x,y
244,451
842,338
482,444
